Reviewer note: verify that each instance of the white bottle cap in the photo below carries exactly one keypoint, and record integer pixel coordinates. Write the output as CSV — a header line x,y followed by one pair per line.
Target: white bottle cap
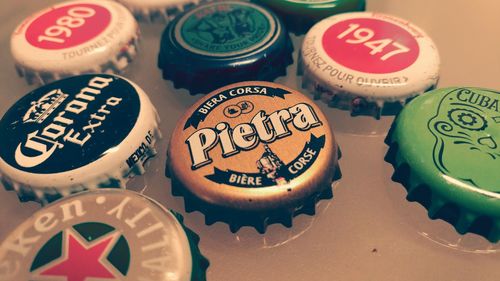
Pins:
x,y
368,63
75,37
103,235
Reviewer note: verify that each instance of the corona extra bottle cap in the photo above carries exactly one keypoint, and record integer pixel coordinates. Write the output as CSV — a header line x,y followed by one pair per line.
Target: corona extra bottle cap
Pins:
x,y
368,63
72,38
79,133
219,43
445,147
300,15
158,10
102,235
252,154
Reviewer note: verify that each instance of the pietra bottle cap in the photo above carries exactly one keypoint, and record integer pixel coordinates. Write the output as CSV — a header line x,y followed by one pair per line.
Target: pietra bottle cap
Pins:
x,y
102,235
368,63
74,37
252,154
158,10
300,15
79,133
220,43
445,147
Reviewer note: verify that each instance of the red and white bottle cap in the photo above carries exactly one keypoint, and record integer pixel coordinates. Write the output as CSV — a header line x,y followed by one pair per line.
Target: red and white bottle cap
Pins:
x,y
75,37
368,63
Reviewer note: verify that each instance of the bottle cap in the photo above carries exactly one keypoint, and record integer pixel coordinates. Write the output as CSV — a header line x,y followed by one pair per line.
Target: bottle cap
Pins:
x,y
103,235
79,133
74,37
252,154
445,147
300,15
368,63
219,43
158,10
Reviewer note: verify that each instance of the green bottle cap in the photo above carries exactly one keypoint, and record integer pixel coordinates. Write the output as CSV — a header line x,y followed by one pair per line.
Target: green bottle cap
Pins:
x,y
300,15
445,147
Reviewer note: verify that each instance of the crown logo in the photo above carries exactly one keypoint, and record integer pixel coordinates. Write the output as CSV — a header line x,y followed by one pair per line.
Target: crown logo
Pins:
x,y
42,108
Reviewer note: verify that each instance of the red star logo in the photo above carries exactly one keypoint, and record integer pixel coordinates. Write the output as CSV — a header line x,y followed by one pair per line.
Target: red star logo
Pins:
x,y
82,260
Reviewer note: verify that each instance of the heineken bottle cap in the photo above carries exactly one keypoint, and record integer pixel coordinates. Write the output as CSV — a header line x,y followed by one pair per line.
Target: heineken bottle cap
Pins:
x,y
158,10
79,133
219,43
74,37
103,235
300,15
368,63
252,154
445,147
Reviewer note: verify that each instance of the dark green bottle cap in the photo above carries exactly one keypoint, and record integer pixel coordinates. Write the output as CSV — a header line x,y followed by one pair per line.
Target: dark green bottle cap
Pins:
x,y
81,133
300,15
445,147
220,43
